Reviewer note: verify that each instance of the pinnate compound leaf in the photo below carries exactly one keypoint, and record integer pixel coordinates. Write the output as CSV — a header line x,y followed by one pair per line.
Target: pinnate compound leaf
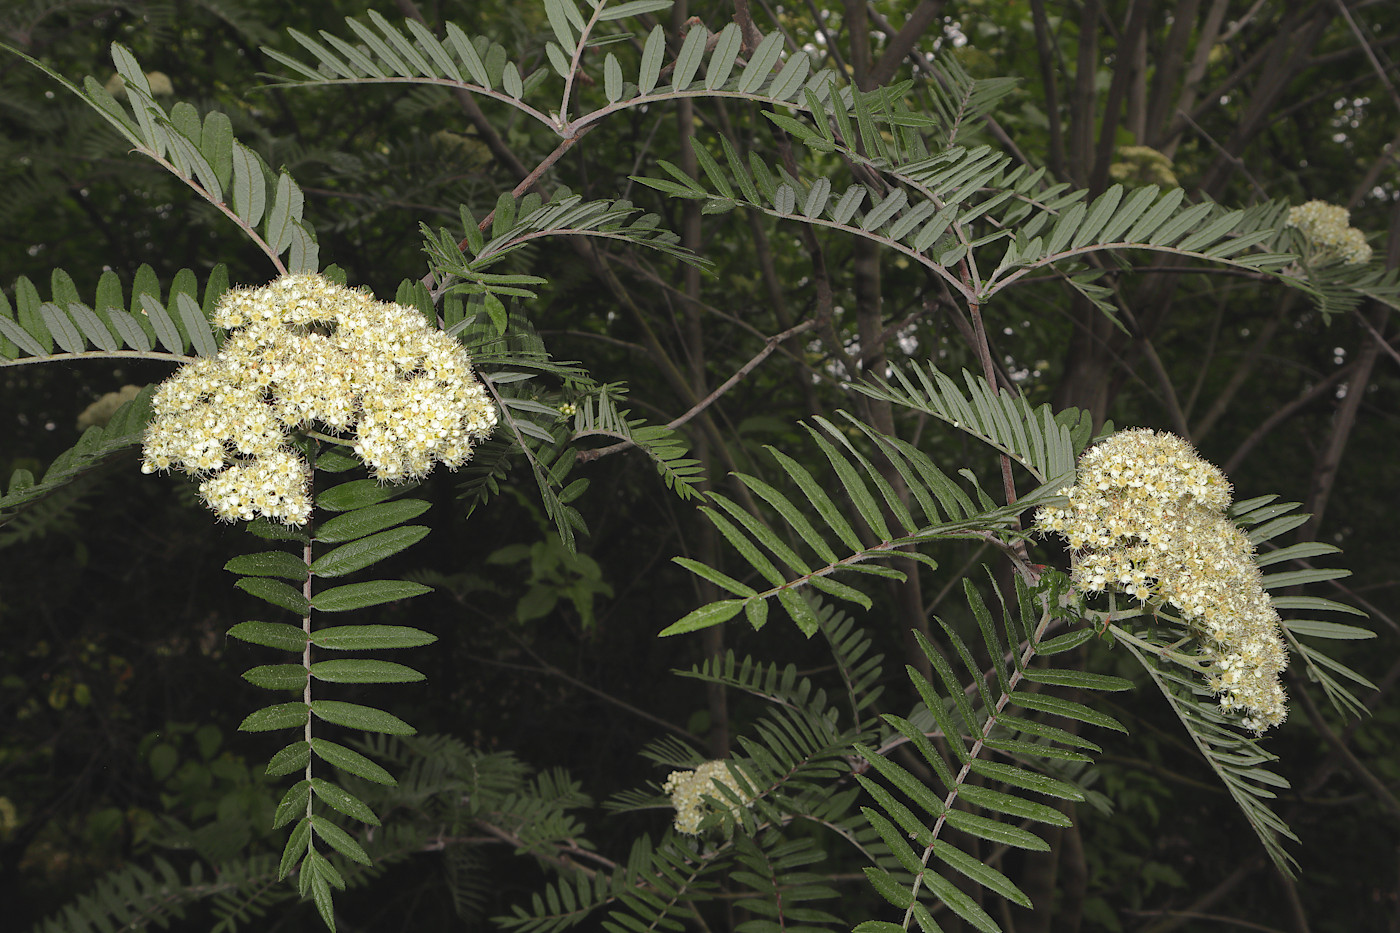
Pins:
x,y
360,553
270,635
269,564
369,593
277,676
363,671
355,716
368,520
351,762
340,799
275,592
277,716
370,637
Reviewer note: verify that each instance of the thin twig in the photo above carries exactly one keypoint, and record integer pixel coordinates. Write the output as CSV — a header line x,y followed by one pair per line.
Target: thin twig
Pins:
x,y
769,346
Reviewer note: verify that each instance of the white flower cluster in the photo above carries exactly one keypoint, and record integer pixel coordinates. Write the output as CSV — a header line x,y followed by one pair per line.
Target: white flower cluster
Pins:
x,y
305,350
1328,228
688,788
1146,517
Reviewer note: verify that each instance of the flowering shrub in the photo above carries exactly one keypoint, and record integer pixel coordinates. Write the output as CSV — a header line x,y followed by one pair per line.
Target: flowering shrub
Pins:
x,y
301,351
1147,518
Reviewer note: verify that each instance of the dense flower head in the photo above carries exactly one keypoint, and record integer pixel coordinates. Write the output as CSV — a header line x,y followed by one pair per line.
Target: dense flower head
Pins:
x,y
1327,228
689,788
304,351
1146,517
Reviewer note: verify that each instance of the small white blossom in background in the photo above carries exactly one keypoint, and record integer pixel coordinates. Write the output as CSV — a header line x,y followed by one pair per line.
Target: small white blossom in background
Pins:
x,y
688,788
1146,517
302,351
1328,229
101,411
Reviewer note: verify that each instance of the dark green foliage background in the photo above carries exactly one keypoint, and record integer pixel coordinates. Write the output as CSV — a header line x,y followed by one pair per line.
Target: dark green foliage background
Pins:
x,y
113,613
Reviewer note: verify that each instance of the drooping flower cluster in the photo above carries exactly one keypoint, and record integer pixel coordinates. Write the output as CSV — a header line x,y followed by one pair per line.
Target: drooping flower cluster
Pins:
x,y
304,351
1327,228
688,789
1146,517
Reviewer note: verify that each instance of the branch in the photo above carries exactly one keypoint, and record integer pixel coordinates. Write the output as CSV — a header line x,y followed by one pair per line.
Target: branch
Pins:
x,y
769,346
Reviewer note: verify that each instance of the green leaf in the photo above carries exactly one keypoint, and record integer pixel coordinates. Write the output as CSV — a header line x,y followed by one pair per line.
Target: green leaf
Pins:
x,y
363,671
94,331
1012,805
362,552
337,798
269,564
727,45
293,804
960,903
298,841
351,762
355,716
249,185
983,874
800,610
1079,679
294,757
340,840
270,635
761,63
722,580
891,890
652,54
996,832
369,593
1066,642
704,617
275,531
286,208
1027,780
356,494
370,637
1326,629
612,78
196,325
1067,708
369,519
275,592
277,716
277,676
633,8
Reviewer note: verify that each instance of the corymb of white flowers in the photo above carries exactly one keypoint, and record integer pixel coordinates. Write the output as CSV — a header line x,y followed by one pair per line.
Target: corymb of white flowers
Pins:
x,y
1146,517
1327,228
302,352
688,789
